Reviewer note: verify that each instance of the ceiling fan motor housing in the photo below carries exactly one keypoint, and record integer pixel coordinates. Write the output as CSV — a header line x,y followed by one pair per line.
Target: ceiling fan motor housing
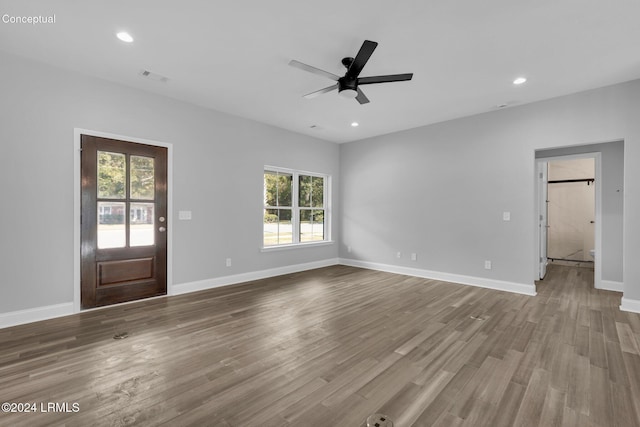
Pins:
x,y
348,87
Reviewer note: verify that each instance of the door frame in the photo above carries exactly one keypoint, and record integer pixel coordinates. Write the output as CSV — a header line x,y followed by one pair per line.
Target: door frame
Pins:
x,y
542,174
77,190
597,156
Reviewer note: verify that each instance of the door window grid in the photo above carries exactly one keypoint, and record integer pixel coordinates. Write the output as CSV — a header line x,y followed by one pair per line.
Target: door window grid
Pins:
x,y
124,181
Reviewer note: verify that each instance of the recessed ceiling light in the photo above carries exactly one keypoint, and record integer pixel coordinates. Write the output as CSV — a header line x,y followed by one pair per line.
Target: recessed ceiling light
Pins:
x,y
355,124
124,36
519,81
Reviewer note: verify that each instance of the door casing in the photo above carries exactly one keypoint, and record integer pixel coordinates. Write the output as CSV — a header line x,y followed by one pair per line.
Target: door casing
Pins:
x,y
78,132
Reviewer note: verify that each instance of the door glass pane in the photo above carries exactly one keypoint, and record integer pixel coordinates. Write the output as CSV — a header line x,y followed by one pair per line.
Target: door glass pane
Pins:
x,y
141,220
142,177
112,175
111,225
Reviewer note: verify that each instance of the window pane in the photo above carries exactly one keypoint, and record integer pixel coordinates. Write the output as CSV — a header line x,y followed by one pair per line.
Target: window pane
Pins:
x,y
304,191
311,225
277,227
141,224
278,188
285,227
142,178
111,225
317,192
285,188
318,225
306,226
112,175
270,227
270,189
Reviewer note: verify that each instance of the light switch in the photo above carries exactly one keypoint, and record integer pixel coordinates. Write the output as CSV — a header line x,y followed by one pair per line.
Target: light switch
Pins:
x,y
506,216
184,215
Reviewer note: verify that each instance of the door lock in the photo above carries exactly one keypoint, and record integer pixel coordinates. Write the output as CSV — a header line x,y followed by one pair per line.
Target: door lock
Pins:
x,y
161,219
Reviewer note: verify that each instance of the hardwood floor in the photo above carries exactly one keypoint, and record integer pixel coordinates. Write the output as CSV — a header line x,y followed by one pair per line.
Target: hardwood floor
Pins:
x,y
331,346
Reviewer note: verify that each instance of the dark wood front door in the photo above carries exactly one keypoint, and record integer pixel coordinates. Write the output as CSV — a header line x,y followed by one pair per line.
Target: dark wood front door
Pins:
x,y
124,221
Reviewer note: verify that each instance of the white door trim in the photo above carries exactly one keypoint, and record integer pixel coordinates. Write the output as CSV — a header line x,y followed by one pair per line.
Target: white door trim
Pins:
x,y
77,133
597,156
541,213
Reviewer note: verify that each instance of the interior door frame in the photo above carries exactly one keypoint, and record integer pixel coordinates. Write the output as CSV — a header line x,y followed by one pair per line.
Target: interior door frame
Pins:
x,y
77,189
542,173
597,156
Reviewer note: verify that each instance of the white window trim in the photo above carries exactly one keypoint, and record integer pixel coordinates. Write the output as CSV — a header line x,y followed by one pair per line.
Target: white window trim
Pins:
x,y
295,210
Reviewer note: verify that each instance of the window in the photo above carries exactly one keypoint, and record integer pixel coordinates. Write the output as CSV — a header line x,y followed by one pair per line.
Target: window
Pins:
x,y
295,207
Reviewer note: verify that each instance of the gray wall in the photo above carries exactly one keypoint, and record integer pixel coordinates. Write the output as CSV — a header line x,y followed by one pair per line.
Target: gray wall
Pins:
x,y
612,156
218,163
440,190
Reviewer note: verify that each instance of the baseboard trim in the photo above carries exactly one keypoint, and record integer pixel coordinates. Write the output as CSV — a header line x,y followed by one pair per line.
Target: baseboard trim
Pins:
x,y
628,304
19,317
608,285
30,315
201,285
498,285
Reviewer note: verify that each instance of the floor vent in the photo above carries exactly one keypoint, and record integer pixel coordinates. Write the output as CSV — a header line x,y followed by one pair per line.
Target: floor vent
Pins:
x,y
379,420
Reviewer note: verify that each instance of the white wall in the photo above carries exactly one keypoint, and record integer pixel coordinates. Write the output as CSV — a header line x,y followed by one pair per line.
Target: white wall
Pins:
x,y
440,190
218,164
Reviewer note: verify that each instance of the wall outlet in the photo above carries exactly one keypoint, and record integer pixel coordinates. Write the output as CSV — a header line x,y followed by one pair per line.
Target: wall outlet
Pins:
x,y
414,257
184,215
398,255
228,262
506,216
487,265
348,249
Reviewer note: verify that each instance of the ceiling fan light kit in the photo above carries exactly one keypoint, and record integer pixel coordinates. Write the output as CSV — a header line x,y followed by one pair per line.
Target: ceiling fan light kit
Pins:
x,y
348,85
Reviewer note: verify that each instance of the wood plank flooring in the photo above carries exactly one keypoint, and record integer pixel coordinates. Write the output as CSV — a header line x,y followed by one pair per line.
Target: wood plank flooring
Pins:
x,y
331,346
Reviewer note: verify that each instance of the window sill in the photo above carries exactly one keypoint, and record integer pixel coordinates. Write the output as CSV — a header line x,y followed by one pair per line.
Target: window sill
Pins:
x,y
296,246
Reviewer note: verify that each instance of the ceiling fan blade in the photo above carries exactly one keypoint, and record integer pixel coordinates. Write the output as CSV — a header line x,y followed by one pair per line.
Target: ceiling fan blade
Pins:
x,y
361,98
321,91
365,52
313,70
384,79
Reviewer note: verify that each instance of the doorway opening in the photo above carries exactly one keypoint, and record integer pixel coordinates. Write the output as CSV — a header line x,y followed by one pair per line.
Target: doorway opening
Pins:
x,y
571,212
568,212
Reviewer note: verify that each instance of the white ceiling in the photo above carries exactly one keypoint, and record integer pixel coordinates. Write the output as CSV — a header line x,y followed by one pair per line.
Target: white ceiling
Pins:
x,y
232,56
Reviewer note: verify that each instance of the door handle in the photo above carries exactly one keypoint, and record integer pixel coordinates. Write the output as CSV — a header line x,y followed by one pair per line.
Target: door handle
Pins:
x,y
162,229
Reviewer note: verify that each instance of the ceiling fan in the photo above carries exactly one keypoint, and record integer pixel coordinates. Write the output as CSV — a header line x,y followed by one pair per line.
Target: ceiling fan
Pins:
x,y
348,85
